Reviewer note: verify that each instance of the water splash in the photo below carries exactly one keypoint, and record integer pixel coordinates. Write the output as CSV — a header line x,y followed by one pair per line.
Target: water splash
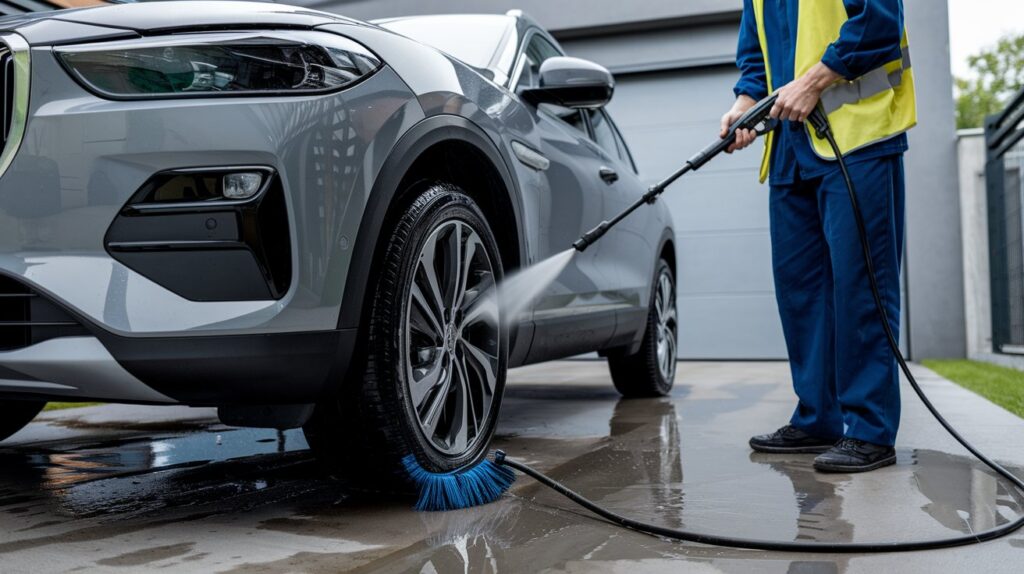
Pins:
x,y
516,293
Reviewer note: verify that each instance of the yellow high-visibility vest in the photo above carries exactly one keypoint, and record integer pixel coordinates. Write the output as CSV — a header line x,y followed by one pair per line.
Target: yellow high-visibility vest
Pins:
x,y
874,107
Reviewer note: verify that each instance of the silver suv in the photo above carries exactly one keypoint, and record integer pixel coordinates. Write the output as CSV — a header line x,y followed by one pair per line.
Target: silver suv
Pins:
x,y
294,217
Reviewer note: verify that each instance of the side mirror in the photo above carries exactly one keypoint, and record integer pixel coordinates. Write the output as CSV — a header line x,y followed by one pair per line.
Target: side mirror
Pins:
x,y
572,83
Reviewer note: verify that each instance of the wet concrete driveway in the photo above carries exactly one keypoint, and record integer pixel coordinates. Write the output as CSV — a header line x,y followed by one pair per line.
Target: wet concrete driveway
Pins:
x,y
177,492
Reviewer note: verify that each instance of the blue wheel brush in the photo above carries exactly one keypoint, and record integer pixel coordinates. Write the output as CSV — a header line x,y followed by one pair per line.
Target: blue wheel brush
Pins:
x,y
473,486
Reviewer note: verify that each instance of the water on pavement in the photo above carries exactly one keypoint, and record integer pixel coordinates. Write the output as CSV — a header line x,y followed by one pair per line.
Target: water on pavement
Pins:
x,y
213,499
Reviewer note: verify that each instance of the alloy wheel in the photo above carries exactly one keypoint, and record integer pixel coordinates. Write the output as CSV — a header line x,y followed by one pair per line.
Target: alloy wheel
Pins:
x,y
452,338
667,325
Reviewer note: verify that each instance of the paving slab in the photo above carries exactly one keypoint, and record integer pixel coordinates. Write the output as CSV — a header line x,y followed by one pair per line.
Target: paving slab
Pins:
x,y
127,489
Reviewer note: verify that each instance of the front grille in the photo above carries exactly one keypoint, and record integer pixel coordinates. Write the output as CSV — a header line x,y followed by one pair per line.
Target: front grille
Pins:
x,y
7,89
27,318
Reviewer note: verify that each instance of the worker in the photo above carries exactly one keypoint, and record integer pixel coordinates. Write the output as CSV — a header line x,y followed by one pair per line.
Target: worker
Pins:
x,y
852,57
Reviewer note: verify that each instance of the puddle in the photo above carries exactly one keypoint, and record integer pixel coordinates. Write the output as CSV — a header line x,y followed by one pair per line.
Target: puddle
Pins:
x,y
61,469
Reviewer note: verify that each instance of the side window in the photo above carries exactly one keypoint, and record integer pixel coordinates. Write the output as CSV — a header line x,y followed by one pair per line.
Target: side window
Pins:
x,y
604,134
608,137
538,50
624,152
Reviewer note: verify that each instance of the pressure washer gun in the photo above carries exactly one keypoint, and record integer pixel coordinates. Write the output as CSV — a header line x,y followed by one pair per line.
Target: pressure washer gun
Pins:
x,y
755,119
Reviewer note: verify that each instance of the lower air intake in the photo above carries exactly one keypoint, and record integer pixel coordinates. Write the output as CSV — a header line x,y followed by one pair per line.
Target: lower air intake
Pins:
x,y
27,318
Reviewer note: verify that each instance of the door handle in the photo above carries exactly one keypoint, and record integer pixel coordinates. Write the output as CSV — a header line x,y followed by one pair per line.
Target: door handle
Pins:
x,y
608,174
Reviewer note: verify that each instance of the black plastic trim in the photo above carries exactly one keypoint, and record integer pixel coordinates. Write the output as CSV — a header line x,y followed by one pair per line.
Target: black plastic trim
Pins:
x,y
233,250
173,245
278,368
27,318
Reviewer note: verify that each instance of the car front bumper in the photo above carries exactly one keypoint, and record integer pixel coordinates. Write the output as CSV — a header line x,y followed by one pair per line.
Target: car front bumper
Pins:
x,y
81,158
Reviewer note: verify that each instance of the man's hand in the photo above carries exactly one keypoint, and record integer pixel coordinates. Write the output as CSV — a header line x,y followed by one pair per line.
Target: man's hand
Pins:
x,y
798,98
743,137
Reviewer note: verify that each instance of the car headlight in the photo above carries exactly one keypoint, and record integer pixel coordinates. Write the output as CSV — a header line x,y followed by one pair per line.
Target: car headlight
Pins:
x,y
204,65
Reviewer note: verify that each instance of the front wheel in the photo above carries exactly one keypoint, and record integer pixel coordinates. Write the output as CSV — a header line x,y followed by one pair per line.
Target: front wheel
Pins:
x,y
14,415
651,371
435,370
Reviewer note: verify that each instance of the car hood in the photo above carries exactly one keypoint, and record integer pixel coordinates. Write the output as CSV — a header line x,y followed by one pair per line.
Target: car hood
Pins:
x,y
119,20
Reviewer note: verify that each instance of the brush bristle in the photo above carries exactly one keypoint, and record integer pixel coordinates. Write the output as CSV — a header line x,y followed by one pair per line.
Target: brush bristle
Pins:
x,y
480,484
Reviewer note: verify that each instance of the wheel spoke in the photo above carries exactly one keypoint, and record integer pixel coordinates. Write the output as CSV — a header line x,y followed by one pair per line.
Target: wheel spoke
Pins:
x,y
483,289
422,387
458,435
433,416
452,266
670,316
664,294
467,259
472,418
485,364
670,354
484,309
428,322
427,264
667,358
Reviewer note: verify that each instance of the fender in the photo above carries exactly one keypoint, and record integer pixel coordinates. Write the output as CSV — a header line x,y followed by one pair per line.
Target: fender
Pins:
x,y
418,139
667,238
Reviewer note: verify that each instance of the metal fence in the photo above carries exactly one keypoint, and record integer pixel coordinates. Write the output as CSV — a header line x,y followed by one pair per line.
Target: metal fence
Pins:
x,y
1004,140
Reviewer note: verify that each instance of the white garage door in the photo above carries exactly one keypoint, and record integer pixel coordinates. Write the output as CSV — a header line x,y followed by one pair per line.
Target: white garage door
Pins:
x,y
726,294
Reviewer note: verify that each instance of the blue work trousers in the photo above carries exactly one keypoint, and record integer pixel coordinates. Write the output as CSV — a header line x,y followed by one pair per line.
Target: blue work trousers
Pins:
x,y
844,372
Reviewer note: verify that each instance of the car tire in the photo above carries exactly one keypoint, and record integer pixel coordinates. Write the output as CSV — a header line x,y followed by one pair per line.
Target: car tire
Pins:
x,y
650,372
14,415
424,367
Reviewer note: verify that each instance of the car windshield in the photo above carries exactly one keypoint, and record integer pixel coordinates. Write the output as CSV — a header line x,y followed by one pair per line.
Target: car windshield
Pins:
x,y
474,39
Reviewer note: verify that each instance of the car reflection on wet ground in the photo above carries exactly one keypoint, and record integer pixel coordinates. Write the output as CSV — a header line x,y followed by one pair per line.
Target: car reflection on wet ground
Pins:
x,y
179,492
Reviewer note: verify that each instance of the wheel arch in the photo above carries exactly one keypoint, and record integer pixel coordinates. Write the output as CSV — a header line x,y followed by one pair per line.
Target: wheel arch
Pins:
x,y
425,153
667,251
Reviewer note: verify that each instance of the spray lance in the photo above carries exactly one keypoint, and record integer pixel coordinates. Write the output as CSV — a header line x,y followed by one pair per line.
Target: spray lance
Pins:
x,y
758,119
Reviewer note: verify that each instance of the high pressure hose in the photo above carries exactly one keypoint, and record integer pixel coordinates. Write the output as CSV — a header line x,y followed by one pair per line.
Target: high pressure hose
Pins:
x,y
819,121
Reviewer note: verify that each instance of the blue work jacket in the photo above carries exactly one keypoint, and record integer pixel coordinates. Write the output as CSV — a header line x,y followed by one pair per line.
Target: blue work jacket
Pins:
x,y
869,39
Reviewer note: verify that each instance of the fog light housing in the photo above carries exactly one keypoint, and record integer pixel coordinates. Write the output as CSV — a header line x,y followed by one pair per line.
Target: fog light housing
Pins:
x,y
242,185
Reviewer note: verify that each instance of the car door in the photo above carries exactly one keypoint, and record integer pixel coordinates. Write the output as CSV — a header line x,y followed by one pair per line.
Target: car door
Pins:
x,y
576,313
631,245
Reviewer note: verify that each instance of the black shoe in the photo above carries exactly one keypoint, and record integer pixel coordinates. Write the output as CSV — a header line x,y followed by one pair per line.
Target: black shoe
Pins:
x,y
790,439
852,455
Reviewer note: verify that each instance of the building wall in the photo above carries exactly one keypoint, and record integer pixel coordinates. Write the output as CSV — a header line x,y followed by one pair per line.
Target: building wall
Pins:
x,y
665,38
934,265
974,229
565,17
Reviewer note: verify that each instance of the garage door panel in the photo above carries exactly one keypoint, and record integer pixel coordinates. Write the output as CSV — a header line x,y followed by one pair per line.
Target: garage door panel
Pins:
x,y
689,199
724,264
659,151
675,96
741,327
726,293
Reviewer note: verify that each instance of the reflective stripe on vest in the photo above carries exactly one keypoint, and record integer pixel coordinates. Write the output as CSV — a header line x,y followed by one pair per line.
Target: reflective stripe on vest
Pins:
x,y
870,84
872,108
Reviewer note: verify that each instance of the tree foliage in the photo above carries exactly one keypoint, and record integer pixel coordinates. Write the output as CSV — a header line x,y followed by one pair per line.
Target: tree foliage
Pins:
x,y
998,75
